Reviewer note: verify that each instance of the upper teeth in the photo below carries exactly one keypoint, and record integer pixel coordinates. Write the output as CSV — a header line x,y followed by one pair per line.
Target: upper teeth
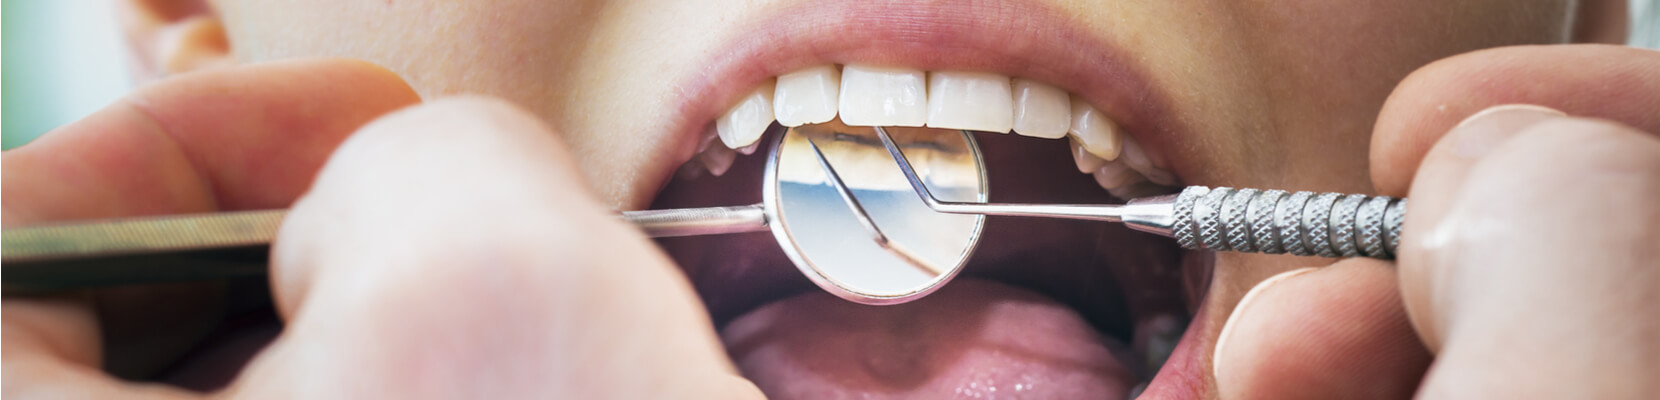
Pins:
x,y
884,96
1094,132
865,95
970,100
807,96
1041,110
744,123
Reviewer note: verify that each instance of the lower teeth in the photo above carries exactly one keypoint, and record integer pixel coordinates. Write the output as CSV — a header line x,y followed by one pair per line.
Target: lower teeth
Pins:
x,y
1141,189
1156,339
1129,176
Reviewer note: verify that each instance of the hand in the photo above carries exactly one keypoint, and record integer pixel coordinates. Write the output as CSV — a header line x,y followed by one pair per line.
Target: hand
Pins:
x,y
1531,261
446,250
228,139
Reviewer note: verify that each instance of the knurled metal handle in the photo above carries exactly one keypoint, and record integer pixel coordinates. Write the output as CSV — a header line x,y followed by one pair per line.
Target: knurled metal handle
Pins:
x,y
1280,222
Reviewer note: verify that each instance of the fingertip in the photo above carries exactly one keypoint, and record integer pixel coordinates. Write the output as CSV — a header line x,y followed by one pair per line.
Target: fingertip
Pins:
x,y
1334,332
1222,357
369,78
360,81
483,128
1480,133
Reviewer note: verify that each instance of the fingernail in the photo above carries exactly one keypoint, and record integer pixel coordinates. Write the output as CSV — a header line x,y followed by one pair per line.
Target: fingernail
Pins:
x,y
1480,133
1240,310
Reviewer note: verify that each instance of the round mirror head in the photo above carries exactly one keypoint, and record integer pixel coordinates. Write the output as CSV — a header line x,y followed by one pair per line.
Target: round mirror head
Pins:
x,y
819,231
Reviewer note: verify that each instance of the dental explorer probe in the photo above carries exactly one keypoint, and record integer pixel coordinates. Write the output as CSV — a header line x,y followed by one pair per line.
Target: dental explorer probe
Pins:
x,y
1222,218
232,245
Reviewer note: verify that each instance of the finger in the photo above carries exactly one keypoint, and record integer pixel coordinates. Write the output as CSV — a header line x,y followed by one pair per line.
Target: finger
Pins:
x,y
236,138
1337,332
245,137
1611,82
1445,172
452,248
1536,277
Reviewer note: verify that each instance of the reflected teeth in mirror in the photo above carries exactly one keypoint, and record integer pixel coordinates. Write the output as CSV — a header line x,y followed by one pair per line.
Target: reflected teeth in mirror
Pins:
x,y
883,96
974,101
745,122
807,96
1040,110
1092,130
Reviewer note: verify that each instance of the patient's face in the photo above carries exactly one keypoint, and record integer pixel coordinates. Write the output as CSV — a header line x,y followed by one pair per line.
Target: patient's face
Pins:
x,y
1267,93
1264,89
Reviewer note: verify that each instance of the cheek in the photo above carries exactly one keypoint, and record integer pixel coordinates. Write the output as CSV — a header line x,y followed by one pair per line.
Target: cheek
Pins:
x,y
1368,46
1326,67
1428,24
440,47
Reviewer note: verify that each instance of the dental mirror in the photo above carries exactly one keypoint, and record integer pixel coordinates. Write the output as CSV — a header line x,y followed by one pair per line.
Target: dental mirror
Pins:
x,y
915,250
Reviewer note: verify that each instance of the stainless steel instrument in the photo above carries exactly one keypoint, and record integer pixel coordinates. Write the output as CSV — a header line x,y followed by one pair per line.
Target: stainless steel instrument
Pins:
x,y
1223,218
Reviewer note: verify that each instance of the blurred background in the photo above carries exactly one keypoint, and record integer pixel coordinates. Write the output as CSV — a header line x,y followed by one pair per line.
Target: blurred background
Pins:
x,y
64,59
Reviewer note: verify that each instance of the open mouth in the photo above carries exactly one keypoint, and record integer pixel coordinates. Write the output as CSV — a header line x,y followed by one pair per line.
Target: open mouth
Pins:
x,y
1046,308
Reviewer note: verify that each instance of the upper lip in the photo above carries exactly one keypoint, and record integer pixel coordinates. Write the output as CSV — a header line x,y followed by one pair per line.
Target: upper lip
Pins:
x,y
1015,38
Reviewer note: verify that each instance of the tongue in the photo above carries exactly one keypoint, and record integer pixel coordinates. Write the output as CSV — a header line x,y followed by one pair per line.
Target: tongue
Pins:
x,y
972,339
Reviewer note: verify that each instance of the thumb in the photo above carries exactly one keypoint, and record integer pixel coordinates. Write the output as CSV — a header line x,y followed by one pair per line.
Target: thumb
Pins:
x,y
1338,332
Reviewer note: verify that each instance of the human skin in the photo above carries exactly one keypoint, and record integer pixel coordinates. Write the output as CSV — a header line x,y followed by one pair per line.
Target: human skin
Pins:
x,y
1279,94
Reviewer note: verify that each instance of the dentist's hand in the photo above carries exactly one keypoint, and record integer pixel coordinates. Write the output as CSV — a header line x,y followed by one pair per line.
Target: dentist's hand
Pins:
x,y
453,250
446,250
1530,265
240,138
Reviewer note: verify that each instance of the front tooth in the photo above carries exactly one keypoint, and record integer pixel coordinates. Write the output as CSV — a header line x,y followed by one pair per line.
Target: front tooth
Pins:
x,y
807,96
744,123
1040,110
1097,134
883,96
974,101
